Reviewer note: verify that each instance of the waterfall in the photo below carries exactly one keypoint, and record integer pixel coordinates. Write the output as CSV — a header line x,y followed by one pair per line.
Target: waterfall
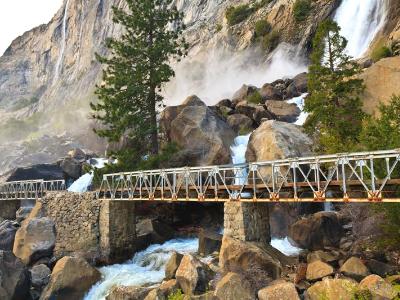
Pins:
x,y
360,21
299,101
146,267
63,43
238,150
83,183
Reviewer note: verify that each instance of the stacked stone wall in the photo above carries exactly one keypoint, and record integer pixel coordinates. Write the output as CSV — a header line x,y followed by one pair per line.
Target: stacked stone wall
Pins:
x,y
8,209
247,221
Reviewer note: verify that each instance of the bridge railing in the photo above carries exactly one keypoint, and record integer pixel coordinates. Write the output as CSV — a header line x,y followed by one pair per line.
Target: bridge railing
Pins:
x,y
365,176
30,189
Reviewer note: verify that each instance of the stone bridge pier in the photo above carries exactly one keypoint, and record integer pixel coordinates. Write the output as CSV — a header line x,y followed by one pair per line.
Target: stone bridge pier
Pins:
x,y
247,221
101,231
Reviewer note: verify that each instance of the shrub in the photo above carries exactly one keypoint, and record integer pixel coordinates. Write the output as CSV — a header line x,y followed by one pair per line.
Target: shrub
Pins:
x,y
301,10
255,98
237,14
262,28
381,52
218,28
262,3
271,41
178,295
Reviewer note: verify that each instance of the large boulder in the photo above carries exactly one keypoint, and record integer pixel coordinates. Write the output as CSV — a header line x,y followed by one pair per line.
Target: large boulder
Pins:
x,y
298,86
203,135
71,167
240,123
328,288
193,275
283,111
40,276
8,230
233,286
275,140
35,240
279,290
163,291
243,93
209,242
378,287
71,278
238,255
246,108
318,231
381,81
128,293
40,171
318,270
269,92
172,265
14,277
354,268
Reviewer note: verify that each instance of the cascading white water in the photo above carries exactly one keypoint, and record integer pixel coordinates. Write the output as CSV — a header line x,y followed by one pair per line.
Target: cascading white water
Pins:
x,y
82,184
63,43
360,21
299,101
238,150
146,267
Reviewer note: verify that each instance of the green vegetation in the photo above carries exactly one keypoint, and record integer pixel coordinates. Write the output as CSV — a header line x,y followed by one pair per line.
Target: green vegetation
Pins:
x,y
262,28
301,10
218,28
130,160
139,64
255,98
237,14
178,295
334,104
380,52
270,41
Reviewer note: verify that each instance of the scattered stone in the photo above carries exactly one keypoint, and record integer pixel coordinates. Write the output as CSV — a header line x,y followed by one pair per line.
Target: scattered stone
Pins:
x,y
379,288
246,108
14,277
34,240
193,275
318,270
244,92
128,293
298,86
225,103
269,92
327,257
40,276
380,268
238,255
240,123
172,265
318,231
261,115
279,290
8,230
328,288
233,286
354,268
209,242
283,111
163,291
71,278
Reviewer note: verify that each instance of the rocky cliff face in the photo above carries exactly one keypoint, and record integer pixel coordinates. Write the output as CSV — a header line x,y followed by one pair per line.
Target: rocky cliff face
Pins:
x,y
48,75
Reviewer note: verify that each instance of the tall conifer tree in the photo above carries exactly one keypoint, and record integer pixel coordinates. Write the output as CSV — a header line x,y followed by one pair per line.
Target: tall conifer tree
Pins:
x,y
136,68
334,104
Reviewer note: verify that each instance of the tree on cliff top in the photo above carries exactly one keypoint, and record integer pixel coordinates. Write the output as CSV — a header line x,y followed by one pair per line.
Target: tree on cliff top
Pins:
x,y
334,105
138,66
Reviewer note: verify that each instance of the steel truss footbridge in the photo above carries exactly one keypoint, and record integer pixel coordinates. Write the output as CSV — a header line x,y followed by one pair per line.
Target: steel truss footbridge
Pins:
x,y
349,177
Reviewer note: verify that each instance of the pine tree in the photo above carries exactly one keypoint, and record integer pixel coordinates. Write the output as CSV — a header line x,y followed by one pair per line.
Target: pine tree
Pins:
x,y
136,69
334,104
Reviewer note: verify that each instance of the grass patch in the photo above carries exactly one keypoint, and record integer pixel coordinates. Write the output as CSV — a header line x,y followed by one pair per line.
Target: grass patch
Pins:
x,y
255,98
237,14
178,295
380,52
262,28
271,41
301,10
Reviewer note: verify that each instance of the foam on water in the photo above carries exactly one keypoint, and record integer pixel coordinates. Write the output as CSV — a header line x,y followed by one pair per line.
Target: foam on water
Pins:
x,y
299,101
360,21
146,267
82,184
284,246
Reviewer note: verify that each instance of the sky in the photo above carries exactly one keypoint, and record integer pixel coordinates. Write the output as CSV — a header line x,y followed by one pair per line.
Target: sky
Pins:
x,y
18,16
